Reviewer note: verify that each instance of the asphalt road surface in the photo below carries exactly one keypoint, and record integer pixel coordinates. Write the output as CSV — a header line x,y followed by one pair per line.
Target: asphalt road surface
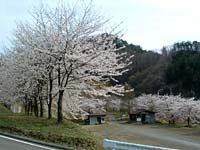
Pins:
x,y
7,143
183,138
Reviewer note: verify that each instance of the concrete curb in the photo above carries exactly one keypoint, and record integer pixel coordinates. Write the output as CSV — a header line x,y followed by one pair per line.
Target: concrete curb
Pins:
x,y
35,141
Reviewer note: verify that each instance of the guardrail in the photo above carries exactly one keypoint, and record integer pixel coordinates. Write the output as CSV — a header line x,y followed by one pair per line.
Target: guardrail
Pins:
x,y
130,146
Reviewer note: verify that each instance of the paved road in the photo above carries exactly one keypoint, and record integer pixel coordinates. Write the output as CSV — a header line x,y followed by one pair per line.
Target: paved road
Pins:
x,y
183,139
165,137
7,143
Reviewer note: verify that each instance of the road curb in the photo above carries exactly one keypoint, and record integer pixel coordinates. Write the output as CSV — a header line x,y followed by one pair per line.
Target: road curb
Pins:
x,y
35,141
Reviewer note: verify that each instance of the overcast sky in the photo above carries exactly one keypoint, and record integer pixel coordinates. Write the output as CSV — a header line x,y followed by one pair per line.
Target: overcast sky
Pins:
x,y
149,23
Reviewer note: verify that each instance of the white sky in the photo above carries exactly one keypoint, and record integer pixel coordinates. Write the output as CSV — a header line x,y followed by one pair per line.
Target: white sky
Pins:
x,y
149,23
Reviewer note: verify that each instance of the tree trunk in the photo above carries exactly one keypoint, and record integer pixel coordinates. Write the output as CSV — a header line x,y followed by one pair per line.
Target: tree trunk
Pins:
x,y
169,122
50,95
35,107
188,121
173,121
26,104
28,110
59,105
31,107
49,110
41,107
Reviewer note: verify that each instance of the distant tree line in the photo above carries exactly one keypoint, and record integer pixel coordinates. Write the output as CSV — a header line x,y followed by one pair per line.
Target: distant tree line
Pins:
x,y
175,70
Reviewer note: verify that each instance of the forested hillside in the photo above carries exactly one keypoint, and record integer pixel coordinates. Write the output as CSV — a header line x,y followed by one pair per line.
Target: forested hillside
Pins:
x,y
174,70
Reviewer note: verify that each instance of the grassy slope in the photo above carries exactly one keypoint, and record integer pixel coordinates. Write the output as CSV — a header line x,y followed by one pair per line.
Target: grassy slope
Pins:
x,y
68,134
4,110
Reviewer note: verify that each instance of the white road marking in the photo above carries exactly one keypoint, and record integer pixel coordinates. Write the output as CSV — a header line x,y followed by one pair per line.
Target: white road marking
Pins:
x,y
28,143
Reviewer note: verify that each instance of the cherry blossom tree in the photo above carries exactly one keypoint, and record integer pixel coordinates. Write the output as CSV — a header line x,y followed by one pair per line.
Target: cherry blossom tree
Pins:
x,y
171,108
168,107
188,110
66,45
148,102
22,77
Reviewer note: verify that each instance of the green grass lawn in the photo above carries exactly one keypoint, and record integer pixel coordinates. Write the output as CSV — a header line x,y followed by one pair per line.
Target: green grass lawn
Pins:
x,y
68,134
